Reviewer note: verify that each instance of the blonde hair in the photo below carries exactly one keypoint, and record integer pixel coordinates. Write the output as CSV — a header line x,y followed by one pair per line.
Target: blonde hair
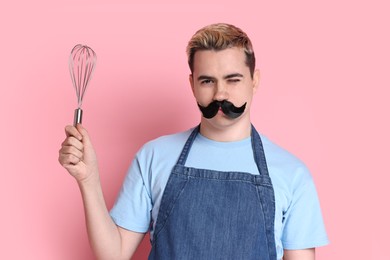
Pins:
x,y
221,36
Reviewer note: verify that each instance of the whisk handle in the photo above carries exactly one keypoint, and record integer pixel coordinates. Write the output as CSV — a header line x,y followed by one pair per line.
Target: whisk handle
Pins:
x,y
78,116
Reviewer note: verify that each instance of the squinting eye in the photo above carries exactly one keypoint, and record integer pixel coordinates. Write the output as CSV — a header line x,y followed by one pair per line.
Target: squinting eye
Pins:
x,y
234,80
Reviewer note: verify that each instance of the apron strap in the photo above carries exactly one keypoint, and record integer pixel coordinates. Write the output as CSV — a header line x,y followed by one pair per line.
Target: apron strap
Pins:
x,y
258,152
187,146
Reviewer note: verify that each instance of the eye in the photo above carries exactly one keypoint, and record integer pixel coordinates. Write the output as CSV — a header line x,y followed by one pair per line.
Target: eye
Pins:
x,y
206,82
234,80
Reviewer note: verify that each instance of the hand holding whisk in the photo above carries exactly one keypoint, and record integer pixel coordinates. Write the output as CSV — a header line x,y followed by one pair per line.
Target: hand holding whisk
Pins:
x,y
82,62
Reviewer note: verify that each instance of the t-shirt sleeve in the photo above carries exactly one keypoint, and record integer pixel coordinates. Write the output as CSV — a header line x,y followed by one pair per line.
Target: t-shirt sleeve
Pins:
x,y
132,209
303,222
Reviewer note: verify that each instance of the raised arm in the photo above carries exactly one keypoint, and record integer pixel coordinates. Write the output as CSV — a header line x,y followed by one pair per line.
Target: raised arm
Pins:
x,y
108,241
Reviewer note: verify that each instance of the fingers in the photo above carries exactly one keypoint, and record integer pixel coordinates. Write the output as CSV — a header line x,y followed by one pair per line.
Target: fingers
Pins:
x,y
71,152
77,149
72,131
69,159
71,141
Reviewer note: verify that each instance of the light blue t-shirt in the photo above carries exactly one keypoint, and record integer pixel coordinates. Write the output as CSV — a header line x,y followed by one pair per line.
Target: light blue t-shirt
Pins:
x,y
298,218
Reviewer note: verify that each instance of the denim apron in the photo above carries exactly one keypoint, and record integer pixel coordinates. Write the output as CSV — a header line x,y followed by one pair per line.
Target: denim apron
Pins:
x,y
207,214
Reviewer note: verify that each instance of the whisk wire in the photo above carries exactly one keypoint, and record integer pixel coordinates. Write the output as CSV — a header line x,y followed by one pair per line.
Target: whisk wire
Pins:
x,y
82,62
81,65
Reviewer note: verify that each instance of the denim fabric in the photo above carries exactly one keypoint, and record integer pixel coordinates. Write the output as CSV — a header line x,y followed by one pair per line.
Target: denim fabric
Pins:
x,y
207,214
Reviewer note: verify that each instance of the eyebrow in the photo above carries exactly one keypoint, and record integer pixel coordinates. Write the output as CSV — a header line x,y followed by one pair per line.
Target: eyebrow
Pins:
x,y
203,77
234,75
229,76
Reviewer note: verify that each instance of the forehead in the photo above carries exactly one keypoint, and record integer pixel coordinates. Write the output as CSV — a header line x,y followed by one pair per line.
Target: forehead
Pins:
x,y
230,60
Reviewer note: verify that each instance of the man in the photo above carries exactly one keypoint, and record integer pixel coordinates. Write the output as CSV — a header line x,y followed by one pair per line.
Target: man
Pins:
x,y
217,191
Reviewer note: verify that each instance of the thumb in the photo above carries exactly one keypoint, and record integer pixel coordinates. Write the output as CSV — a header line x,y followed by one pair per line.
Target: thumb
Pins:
x,y
89,156
86,139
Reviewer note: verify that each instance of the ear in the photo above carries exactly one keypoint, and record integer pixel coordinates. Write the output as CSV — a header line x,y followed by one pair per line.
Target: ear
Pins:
x,y
191,79
256,80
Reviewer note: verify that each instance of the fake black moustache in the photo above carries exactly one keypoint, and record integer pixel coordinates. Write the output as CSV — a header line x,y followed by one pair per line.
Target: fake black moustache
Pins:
x,y
228,108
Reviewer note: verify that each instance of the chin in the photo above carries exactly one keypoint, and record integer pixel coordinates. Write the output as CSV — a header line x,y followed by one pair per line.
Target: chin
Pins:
x,y
220,121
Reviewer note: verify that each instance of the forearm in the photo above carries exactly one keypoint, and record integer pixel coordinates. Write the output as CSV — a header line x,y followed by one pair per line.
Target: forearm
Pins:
x,y
303,254
103,234
78,157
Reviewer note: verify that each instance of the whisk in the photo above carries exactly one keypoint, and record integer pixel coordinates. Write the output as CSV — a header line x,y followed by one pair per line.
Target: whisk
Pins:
x,y
82,62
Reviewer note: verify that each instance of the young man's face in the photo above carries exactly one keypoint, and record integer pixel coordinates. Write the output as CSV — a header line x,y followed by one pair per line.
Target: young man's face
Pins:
x,y
223,75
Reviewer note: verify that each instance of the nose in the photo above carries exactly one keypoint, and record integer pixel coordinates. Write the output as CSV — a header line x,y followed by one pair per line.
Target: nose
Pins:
x,y
221,92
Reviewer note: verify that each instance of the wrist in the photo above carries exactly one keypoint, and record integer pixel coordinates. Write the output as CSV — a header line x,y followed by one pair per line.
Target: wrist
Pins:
x,y
92,180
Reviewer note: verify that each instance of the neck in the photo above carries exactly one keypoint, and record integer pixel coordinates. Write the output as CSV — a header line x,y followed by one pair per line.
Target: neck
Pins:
x,y
228,133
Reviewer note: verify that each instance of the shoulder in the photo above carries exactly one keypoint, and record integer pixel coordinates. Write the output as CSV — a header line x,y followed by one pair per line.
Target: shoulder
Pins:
x,y
276,154
164,145
167,140
284,167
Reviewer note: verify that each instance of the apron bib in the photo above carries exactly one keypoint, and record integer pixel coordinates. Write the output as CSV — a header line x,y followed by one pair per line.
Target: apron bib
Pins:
x,y
207,214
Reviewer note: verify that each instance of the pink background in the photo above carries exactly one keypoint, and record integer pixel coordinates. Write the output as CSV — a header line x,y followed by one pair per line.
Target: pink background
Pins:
x,y
323,95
